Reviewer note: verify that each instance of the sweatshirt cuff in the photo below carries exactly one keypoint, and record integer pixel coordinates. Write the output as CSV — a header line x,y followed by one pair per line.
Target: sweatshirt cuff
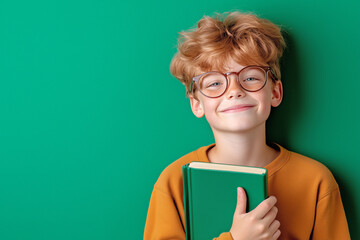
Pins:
x,y
224,236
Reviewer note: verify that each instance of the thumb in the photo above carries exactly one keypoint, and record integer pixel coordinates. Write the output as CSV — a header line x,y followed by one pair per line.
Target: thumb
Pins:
x,y
241,201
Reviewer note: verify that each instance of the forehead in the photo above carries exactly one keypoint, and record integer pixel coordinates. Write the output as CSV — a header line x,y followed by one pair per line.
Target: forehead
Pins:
x,y
233,66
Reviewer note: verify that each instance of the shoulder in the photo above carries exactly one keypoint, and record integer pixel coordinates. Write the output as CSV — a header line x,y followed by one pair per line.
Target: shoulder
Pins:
x,y
312,172
310,166
171,176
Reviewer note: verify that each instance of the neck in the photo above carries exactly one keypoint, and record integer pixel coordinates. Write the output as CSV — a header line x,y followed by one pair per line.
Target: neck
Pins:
x,y
245,148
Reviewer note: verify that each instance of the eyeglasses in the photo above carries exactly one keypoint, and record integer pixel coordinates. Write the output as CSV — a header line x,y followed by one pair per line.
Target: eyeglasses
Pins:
x,y
214,84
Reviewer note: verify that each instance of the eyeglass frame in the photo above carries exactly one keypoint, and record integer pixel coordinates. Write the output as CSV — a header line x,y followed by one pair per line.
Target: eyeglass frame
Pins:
x,y
226,75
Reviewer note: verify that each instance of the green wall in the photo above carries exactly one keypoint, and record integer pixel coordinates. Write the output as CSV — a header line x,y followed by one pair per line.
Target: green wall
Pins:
x,y
90,114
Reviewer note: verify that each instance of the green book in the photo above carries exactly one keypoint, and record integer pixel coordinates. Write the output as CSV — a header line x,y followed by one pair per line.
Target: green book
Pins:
x,y
210,196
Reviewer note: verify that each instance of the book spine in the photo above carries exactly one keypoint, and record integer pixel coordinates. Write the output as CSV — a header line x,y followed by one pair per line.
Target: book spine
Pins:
x,y
185,170
190,204
266,186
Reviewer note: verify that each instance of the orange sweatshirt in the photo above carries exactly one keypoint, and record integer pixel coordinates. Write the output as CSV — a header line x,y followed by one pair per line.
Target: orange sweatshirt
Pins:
x,y
308,199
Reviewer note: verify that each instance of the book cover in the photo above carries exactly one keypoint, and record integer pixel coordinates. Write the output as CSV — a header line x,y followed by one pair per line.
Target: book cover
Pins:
x,y
210,196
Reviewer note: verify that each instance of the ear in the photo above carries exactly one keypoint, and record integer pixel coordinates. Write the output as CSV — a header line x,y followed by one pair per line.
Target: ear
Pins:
x,y
277,93
196,106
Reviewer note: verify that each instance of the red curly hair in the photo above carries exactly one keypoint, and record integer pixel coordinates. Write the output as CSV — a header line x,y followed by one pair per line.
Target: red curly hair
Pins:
x,y
245,38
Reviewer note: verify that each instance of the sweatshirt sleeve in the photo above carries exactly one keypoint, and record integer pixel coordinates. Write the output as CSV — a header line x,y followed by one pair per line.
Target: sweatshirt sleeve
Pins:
x,y
163,219
330,221
224,236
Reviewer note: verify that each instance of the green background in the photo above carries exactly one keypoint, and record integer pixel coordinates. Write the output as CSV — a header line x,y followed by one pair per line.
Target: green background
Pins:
x,y
90,114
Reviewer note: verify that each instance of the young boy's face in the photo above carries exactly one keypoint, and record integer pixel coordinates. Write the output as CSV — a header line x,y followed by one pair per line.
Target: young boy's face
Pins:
x,y
237,110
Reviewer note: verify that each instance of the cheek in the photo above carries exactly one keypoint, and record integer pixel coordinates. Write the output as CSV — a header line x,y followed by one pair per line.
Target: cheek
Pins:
x,y
210,109
265,100
209,105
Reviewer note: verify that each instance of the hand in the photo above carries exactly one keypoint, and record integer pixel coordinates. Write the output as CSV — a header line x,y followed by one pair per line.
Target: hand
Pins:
x,y
260,223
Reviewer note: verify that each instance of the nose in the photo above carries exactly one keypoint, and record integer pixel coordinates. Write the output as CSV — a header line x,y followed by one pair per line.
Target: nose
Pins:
x,y
234,89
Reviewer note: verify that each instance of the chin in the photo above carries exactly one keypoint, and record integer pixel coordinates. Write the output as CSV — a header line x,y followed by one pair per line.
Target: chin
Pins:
x,y
238,127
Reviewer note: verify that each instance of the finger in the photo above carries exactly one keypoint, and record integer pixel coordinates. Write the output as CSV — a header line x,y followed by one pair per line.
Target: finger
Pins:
x,y
271,215
264,207
276,235
241,201
274,226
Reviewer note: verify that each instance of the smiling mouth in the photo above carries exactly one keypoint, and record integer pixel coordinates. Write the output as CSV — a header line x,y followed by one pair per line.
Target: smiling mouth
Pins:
x,y
237,108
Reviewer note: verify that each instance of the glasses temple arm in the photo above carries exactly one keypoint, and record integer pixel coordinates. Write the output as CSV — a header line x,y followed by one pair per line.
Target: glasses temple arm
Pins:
x,y
273,74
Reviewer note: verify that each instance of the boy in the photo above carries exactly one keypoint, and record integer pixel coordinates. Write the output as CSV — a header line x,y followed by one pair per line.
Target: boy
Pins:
x,y
230,68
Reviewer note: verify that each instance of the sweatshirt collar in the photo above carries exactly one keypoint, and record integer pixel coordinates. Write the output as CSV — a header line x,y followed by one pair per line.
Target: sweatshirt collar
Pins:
x,y
274,166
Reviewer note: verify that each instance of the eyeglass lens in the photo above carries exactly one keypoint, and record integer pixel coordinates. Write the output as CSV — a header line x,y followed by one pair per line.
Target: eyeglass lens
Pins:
x,y
215,84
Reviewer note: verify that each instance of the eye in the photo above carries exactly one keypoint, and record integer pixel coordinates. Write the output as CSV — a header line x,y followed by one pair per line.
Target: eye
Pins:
x,y
250,79
212,81
214,84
